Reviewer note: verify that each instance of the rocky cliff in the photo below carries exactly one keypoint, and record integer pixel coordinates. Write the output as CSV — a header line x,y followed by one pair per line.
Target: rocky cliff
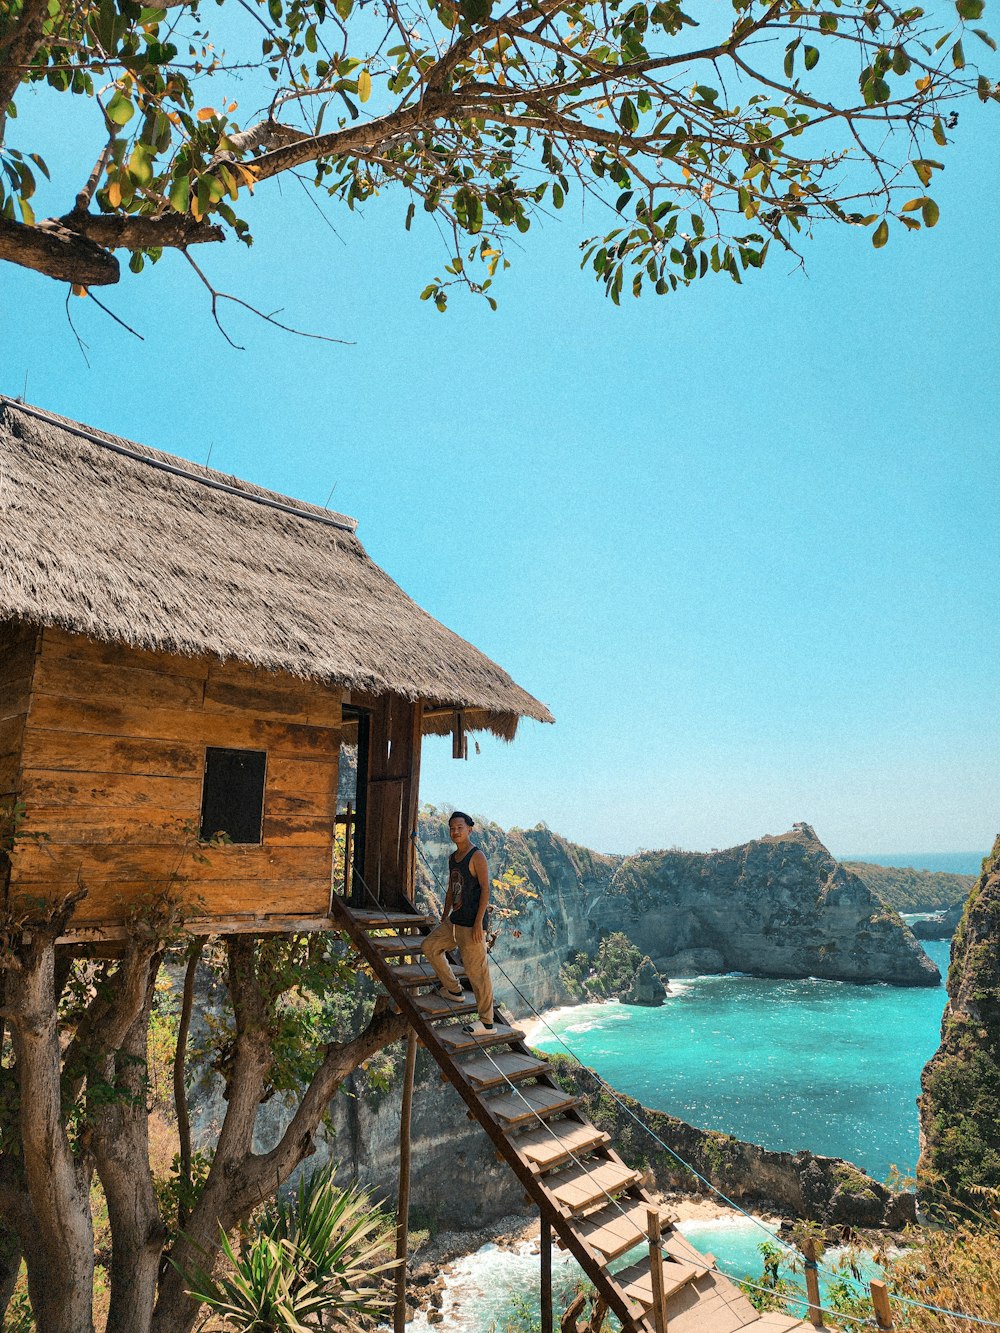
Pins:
x,y
778,906
960,1101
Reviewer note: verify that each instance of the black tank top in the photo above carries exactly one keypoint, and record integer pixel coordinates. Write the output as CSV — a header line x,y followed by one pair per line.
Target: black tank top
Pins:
x,y
465,889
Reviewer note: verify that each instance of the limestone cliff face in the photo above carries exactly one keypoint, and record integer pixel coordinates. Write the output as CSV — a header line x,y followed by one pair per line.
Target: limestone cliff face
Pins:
x,y
566,880
959,1116
778,906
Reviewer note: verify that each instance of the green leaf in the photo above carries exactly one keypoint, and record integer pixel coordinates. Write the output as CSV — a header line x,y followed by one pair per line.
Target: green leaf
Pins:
x,y
628,117
140,167
924,168
811,55
970,9
985,37
881,234
180,194
958,56
930,213
120,110
900,61
364,85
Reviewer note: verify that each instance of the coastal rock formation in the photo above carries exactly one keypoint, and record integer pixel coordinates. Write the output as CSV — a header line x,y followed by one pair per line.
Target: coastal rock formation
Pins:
x,y
778,906
959,1121
647,988
940,926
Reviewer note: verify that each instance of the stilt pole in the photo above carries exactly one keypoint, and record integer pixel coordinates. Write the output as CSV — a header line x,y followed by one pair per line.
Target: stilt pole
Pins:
x,y
403,1198
545,1294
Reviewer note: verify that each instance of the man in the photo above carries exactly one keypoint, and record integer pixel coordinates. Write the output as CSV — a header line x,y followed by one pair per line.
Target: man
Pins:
x,y
463,924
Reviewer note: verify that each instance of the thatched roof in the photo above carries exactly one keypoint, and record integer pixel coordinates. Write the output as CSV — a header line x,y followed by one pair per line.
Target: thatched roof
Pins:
x,y
128,545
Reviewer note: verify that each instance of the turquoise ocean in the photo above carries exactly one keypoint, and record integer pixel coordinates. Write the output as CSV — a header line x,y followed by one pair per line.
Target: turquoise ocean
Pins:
x,y
814,1064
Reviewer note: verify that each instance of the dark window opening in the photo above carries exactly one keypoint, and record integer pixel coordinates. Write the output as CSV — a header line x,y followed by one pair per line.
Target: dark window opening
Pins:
x,y
232,801
352,794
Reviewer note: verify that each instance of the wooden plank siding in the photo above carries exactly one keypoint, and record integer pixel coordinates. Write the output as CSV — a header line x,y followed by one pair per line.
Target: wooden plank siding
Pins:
x,y
18,651
112,757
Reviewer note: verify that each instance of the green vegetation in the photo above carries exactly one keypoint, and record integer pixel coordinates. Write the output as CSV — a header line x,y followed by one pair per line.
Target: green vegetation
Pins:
x,y
311,1262
908,890
611,972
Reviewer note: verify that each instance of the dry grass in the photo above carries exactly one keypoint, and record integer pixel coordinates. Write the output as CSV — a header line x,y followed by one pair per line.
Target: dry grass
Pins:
x,y
957,1269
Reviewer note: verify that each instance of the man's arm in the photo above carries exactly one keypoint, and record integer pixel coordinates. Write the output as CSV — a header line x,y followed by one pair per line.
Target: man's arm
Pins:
x,y
482,873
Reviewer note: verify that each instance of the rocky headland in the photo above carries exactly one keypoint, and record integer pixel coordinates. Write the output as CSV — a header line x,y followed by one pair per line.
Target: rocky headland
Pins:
x,y
960,1099
779,906
909,890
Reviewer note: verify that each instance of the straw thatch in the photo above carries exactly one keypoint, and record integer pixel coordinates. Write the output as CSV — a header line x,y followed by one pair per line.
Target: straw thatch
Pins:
x,y
128,545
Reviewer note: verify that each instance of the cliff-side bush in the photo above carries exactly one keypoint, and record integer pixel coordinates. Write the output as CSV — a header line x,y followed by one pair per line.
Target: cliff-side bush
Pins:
x,y
955,1269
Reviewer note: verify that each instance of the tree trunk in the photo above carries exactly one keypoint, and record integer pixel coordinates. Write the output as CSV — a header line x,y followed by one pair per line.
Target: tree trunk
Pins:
x,y
240,1179
60,1255
10,1265
121,1150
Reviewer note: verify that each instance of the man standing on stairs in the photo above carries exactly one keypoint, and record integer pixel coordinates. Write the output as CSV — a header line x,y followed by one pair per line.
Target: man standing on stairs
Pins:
x,y
463,924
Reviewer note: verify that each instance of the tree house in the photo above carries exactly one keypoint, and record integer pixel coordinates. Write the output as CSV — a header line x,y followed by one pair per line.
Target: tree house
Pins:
x,y
209,693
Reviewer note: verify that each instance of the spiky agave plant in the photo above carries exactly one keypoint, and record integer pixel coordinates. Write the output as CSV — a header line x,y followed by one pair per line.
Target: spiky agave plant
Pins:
x,y
310,1265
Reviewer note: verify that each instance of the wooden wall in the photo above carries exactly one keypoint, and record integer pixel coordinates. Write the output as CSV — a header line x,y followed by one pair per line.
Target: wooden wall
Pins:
x,y
17,663
112,765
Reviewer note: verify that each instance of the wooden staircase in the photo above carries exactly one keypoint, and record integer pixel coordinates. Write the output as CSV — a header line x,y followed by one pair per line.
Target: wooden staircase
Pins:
x,y
593,1202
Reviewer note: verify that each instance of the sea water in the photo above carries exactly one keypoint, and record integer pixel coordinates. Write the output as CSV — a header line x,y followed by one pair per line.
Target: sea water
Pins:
x,y
814,1064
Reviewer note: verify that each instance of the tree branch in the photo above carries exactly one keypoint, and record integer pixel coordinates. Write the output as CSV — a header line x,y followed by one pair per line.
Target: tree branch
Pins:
x,y
18,47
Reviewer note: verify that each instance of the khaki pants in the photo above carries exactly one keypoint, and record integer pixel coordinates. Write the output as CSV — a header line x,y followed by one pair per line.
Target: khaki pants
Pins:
x,y
448,936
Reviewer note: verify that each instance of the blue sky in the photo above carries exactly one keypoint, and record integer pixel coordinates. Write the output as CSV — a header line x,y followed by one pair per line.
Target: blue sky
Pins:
x,y
741,540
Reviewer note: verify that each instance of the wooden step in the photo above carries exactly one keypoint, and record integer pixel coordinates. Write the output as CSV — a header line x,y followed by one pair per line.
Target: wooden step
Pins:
x,y
373,918
532,1103
418,974
490,1071
457,1042
435,1008
389,945
712,1304
545,1147
637,1281
581,1186
615,1229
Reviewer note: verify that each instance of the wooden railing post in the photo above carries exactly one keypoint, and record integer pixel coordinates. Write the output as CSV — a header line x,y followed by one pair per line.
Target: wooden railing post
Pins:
x,y
653,1231
880,1303
811,1250
545,1286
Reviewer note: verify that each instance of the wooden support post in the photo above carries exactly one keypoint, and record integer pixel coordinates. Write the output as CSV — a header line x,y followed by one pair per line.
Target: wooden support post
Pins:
x,y
403,1197
653,1228
880,1302
459,740
545,1285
